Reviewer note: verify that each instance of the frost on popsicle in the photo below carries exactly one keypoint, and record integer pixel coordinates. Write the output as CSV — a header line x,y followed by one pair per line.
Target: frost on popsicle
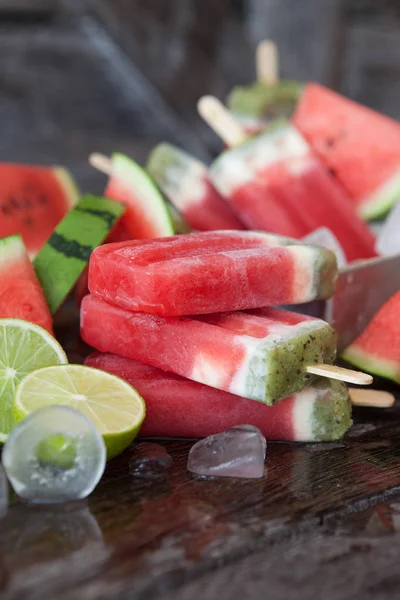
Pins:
x,y
238,452
54,455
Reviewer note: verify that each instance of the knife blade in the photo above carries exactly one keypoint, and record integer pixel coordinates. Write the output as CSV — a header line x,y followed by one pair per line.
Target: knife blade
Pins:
x,y
361,289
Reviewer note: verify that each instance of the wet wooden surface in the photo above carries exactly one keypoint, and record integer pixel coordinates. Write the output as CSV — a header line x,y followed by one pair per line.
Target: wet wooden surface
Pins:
x,y
324,522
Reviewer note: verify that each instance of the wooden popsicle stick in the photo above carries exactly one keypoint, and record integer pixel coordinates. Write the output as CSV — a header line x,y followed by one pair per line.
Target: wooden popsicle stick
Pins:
x,y
334,372
221,121
267,63
377,398
101,163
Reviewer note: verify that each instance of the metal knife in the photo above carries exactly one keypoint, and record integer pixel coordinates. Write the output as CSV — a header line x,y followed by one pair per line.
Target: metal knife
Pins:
x,y
361,289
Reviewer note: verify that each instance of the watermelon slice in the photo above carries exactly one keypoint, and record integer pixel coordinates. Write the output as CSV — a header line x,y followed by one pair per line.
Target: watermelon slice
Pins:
x,y
33,200
66,254
21,296
147,215
359,146
377,349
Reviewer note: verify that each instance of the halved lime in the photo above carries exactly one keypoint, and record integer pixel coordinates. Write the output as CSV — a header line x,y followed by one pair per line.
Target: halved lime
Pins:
x,y
24,347
115,407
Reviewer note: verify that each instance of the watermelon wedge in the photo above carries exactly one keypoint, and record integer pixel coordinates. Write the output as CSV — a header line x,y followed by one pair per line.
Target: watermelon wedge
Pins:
x,y
66,254
147,215
360,147
33,200
21,296
377,349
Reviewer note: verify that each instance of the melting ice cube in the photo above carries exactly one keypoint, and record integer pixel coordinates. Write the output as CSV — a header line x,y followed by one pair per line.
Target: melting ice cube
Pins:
x,y
388,240
150,460
238,452
324,237
54,455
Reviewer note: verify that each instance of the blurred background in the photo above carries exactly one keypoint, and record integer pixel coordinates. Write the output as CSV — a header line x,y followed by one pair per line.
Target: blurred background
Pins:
x,y
78,76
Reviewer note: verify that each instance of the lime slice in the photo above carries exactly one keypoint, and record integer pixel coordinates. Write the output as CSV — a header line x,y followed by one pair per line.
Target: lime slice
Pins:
x,y
24,347
113,406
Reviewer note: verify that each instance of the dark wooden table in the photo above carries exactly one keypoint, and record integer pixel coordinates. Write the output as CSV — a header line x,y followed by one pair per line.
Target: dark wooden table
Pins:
x,y
324,522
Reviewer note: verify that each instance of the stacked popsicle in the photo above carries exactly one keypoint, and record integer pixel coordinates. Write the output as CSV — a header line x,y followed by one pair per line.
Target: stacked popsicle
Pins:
x,y
272,182
276,183
359,147
193,308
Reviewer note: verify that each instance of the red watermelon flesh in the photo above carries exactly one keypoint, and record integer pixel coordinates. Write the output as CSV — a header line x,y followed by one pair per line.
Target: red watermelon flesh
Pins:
x,y
33,200
119,233
21,296
178,407
377,349
260,354
147,215
276,183
360,146
209,272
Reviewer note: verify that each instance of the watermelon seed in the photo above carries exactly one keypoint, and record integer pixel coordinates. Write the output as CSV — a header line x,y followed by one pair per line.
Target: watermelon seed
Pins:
x,y
14,202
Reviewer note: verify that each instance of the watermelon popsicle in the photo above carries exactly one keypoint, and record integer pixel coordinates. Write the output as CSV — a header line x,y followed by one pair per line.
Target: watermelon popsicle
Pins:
x,y
360,147
262,354
275,183
210,272
178,407
256,105
185,182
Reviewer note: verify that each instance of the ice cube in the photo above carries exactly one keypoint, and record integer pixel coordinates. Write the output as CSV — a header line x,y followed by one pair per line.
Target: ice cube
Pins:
x,y
388,240
238,452
326,238
3,493
150,460
54,455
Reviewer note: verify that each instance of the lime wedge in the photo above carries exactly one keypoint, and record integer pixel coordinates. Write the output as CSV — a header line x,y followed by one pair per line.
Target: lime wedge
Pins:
x,y
24,347
113,406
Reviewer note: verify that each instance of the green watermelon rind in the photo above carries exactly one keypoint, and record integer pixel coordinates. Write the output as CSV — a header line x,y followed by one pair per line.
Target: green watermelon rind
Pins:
x,y
64,257
136,178
374,365
68,184
164,158
179,222
331,417
382,200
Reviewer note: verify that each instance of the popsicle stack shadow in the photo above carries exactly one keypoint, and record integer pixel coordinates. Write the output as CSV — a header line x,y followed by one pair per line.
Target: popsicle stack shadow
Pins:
x,y
198,306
